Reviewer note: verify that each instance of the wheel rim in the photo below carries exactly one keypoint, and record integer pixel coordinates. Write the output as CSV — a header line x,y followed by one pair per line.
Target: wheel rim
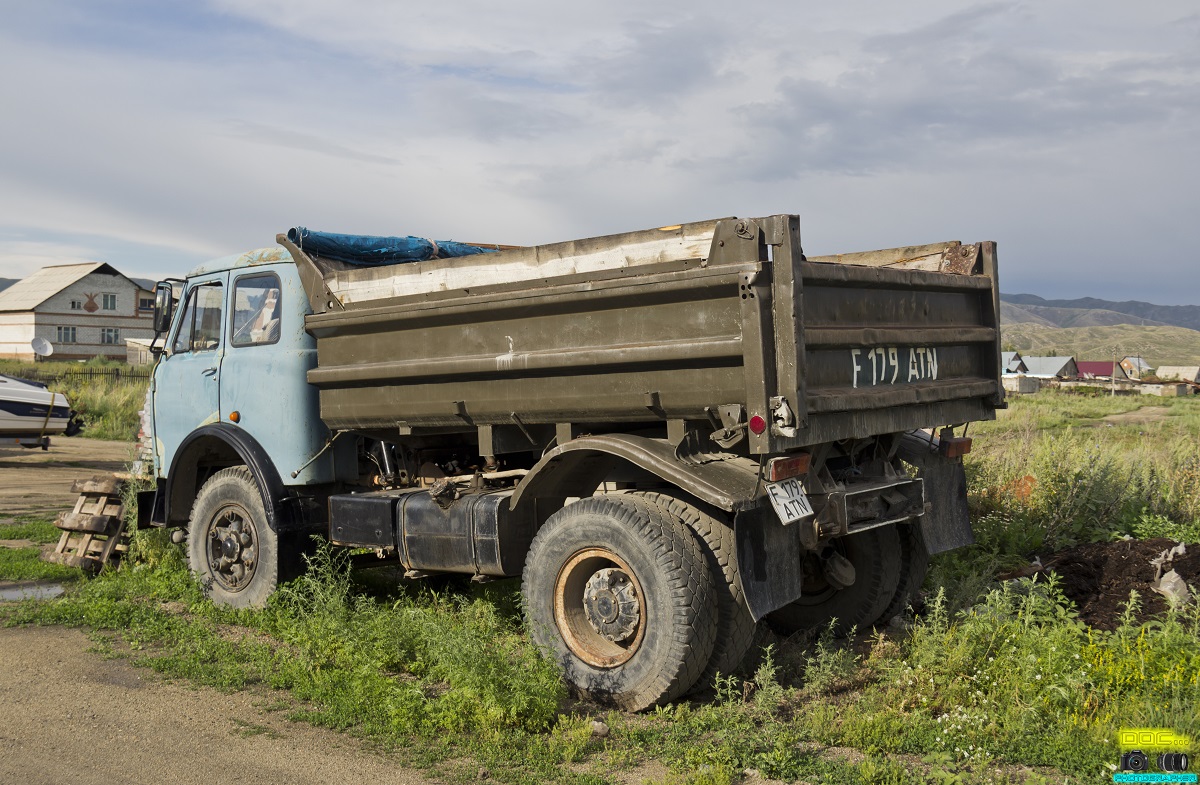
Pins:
x,y
232,544
599,608
814,588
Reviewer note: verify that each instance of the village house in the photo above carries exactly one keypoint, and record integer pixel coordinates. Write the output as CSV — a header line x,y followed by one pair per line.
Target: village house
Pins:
x,y
1135,367
1100,369
1051,367
1012,362
83,310
1178,373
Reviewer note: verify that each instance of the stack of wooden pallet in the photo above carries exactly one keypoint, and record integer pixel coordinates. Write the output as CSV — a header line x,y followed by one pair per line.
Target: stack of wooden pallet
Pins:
x,y
94,532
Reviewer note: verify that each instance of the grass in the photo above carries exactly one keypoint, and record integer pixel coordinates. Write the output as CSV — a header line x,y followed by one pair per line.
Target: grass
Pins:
x,y
995,683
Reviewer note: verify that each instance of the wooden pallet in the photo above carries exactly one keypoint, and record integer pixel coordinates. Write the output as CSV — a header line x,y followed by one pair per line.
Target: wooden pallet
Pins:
x,y
94,532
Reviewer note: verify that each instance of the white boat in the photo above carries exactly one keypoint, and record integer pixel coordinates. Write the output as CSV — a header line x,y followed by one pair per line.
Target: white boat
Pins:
x,y
30,413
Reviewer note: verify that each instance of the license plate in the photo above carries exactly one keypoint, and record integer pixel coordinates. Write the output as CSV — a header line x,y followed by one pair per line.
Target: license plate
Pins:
x,y
789,500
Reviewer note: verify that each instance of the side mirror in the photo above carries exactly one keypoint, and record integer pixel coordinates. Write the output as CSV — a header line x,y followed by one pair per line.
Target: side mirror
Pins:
x,y
164,303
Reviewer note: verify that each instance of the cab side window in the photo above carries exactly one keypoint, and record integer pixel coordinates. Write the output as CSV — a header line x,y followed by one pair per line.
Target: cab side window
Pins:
x,y
200,326
257,310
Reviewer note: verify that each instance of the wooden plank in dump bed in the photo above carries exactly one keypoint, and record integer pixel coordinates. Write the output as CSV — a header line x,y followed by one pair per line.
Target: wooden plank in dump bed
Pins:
x,y
632,249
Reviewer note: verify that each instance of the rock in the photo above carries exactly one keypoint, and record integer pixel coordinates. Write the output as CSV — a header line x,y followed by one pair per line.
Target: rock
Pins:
x,y
483,774
599,729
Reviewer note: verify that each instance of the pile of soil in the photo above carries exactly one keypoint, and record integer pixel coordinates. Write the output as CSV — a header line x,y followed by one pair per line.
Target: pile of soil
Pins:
x,y
1099,576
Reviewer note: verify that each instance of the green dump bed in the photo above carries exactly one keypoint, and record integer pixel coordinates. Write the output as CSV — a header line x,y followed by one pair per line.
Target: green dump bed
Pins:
x,y
675,326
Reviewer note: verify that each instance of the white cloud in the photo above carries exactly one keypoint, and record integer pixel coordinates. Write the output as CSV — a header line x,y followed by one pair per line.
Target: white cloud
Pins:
x,y
1061,130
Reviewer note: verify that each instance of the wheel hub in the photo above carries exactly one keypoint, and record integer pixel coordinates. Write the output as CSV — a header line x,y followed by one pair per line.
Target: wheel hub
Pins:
x,y
598,608
232,548
611,604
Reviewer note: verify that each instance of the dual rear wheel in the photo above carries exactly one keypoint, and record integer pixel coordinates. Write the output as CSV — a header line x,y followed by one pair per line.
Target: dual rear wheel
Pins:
x,y
630,595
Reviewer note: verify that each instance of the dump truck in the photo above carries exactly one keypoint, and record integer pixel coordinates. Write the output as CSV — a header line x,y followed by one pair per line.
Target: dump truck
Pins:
x,y
669,435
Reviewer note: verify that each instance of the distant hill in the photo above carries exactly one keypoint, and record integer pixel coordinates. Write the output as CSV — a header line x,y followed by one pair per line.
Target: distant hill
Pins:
x,y
1016,314
7,282
1072,313
1158,345
1084,317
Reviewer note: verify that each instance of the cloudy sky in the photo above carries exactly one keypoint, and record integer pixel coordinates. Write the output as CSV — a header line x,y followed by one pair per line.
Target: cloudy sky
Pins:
x,y
155,135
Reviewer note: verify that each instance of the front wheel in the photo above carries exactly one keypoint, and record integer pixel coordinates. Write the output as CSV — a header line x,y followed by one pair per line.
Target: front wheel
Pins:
x,y
231,547
618,591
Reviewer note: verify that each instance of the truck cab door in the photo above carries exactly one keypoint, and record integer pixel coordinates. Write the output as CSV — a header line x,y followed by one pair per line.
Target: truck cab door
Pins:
x,y
187,379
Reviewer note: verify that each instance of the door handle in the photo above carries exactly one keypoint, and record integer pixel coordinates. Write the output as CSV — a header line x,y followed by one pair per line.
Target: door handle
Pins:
x,y
209,371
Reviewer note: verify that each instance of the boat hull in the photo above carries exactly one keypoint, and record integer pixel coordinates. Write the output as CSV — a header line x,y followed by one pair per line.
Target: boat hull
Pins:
x,y
29,409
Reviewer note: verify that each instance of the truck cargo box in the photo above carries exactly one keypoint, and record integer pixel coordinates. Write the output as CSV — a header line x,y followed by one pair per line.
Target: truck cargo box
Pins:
x,y
716,323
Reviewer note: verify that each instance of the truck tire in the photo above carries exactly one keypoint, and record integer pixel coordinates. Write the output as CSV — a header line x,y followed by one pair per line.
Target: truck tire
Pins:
x,y
735,625
231,547
876,556
914,565
618,592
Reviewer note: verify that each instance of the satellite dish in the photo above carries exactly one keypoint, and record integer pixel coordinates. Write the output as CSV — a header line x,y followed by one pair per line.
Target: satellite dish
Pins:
x,y
42,347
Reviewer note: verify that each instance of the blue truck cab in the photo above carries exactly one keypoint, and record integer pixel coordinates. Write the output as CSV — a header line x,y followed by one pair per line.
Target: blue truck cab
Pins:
x,y
229,393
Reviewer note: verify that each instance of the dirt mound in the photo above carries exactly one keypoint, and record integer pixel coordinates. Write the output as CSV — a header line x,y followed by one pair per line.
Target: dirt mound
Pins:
x,y
1099,576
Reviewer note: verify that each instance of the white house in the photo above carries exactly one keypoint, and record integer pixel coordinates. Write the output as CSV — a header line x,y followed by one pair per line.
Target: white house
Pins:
x,y
83,310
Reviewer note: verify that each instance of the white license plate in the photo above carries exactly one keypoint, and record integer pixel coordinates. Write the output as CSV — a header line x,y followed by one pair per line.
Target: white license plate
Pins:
x,y
789,500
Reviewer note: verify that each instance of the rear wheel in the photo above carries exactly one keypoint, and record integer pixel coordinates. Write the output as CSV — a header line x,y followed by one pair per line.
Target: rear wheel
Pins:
x,y
619,594
914,565
231,547
735,625
876,557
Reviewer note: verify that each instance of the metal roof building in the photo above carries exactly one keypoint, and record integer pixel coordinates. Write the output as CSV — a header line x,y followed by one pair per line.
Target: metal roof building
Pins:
x,y
1051,367
1182,373
83,310
1012,362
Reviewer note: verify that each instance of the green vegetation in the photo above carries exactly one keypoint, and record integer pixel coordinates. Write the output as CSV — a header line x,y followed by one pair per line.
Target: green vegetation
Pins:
x,y
108,407
1053,472
995,683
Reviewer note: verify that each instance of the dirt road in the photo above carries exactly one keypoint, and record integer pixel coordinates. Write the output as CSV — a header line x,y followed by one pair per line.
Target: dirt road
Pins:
x,y
72,716
33,482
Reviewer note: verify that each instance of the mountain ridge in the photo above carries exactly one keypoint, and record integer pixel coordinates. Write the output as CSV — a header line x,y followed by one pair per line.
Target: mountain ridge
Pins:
x,y
1146,314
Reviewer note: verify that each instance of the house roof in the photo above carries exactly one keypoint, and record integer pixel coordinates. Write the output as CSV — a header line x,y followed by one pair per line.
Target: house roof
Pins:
x,y
1187,373
1096,368
1050,366
1012,362
1137,363
28,293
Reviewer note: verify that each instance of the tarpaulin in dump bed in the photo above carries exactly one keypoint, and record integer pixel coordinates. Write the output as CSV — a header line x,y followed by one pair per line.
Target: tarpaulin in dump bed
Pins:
x,y
368,250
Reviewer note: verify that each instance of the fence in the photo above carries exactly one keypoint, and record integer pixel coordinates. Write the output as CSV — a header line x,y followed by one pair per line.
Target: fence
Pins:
x,y
90,374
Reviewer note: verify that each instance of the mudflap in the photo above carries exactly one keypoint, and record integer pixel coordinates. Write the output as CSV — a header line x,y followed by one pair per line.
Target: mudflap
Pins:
x,y
768,556
946,524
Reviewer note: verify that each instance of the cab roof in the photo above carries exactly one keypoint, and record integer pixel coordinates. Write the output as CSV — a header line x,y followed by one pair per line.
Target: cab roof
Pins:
x,y
258,256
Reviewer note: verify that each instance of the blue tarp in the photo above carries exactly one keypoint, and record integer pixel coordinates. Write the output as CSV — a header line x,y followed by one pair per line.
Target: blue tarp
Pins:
x,y
370,251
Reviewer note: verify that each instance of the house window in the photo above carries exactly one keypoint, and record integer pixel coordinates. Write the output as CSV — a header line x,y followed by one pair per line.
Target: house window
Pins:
x,y
64,335
110,335
77,305
145,303
109,303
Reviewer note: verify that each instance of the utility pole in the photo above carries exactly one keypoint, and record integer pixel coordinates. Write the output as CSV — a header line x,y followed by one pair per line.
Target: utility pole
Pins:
x,y
1113,373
